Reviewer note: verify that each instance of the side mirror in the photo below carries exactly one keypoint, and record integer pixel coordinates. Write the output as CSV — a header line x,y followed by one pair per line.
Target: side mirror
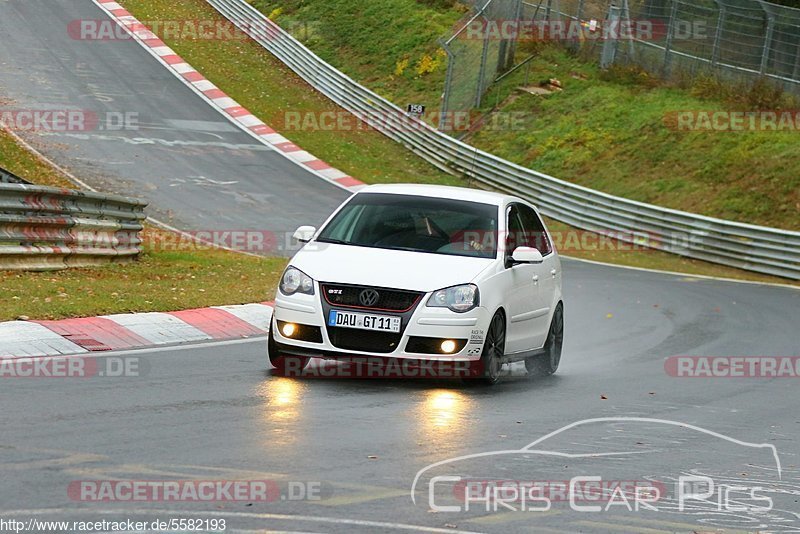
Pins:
x,y
527,255
304,233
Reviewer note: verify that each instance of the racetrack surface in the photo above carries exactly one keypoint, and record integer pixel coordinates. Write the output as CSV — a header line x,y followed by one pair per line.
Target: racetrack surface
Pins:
x,y
215,411
196,168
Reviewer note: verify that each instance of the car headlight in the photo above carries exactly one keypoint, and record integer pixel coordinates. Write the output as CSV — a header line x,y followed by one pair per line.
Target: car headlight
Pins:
x,y
296,281
459,299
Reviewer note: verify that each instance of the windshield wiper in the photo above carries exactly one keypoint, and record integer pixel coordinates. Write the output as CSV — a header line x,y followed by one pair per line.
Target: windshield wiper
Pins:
x,y
333,241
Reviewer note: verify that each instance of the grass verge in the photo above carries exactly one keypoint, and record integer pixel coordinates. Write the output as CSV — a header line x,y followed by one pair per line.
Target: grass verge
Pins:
x,y
616,131
27,165
264,85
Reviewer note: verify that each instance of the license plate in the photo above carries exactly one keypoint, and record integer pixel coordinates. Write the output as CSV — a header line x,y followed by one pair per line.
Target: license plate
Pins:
x,y
364,321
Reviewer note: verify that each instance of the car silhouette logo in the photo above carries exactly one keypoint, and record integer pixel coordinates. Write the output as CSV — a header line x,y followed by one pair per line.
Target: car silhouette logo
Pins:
x,y
369,297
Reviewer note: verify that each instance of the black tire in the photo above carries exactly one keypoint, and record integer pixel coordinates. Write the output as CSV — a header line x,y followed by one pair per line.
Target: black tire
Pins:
x,y
493,350
546,364
284,364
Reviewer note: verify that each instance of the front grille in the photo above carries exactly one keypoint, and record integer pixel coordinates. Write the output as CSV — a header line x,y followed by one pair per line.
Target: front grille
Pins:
x,y
395,300
363,340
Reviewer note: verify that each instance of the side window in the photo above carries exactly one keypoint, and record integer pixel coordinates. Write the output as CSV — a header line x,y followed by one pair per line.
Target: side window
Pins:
x,y
515,234
536,237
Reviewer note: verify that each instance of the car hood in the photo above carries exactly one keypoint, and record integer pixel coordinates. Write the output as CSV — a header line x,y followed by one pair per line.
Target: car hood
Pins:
x,y
346,264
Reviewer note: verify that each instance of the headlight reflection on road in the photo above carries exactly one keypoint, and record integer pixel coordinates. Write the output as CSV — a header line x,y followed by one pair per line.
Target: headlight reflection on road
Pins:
x,y
443,413
281,410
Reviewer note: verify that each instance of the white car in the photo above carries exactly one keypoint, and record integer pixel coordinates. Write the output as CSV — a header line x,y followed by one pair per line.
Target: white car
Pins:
x,y
420,273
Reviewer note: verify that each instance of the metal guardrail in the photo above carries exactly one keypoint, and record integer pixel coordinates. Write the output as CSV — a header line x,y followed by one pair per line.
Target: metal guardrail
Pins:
x,y
7,177
46,228
755,248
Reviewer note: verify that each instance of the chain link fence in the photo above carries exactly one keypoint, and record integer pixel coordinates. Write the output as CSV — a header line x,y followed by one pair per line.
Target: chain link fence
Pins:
x,y
476,53
743,39
738,39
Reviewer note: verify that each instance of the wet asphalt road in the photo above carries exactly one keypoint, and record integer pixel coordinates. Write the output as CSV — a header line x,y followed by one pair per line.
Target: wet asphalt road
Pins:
x,y
215,412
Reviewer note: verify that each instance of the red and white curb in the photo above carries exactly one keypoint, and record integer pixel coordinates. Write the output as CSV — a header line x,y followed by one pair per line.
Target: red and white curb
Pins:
x,y
221,101
19,339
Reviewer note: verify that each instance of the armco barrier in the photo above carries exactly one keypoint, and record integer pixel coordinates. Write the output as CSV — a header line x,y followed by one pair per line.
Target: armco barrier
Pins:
x,y
46,228
755,248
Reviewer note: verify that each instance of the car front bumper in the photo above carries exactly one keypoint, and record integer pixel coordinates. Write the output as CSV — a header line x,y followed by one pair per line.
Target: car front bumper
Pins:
x,y
424,322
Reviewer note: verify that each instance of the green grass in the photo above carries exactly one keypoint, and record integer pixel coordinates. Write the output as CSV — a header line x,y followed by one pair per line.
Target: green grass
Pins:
x,y
610,134
26,165
375,36
258,81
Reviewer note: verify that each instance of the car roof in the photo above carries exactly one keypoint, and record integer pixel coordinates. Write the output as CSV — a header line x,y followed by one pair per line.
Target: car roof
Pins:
x,y
440,191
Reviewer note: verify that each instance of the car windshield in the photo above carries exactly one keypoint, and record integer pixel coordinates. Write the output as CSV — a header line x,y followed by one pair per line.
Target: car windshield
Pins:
x,y
415,223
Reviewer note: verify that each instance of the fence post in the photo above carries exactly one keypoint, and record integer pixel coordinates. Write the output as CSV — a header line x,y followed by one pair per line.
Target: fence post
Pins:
x,y
578,17
482,71
448,80
718,33
796,71
670,33
767,43
609,51
511,50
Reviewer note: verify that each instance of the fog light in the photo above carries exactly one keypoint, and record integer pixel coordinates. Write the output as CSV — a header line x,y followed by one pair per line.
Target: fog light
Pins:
x,y
288,329
448,346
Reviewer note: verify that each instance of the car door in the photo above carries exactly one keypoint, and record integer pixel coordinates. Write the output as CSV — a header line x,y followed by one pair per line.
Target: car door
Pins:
x,y
525,300
549,273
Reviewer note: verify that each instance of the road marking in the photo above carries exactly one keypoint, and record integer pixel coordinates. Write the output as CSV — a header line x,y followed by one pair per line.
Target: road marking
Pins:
x,y
617,527
170,143
372,494
678,525
509,517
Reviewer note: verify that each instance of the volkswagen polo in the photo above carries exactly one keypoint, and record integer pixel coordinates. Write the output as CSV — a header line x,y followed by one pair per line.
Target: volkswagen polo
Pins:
x,y
419,273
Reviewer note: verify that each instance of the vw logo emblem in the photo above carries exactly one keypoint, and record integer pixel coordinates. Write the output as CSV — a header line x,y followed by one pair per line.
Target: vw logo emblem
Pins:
x,y
369,297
